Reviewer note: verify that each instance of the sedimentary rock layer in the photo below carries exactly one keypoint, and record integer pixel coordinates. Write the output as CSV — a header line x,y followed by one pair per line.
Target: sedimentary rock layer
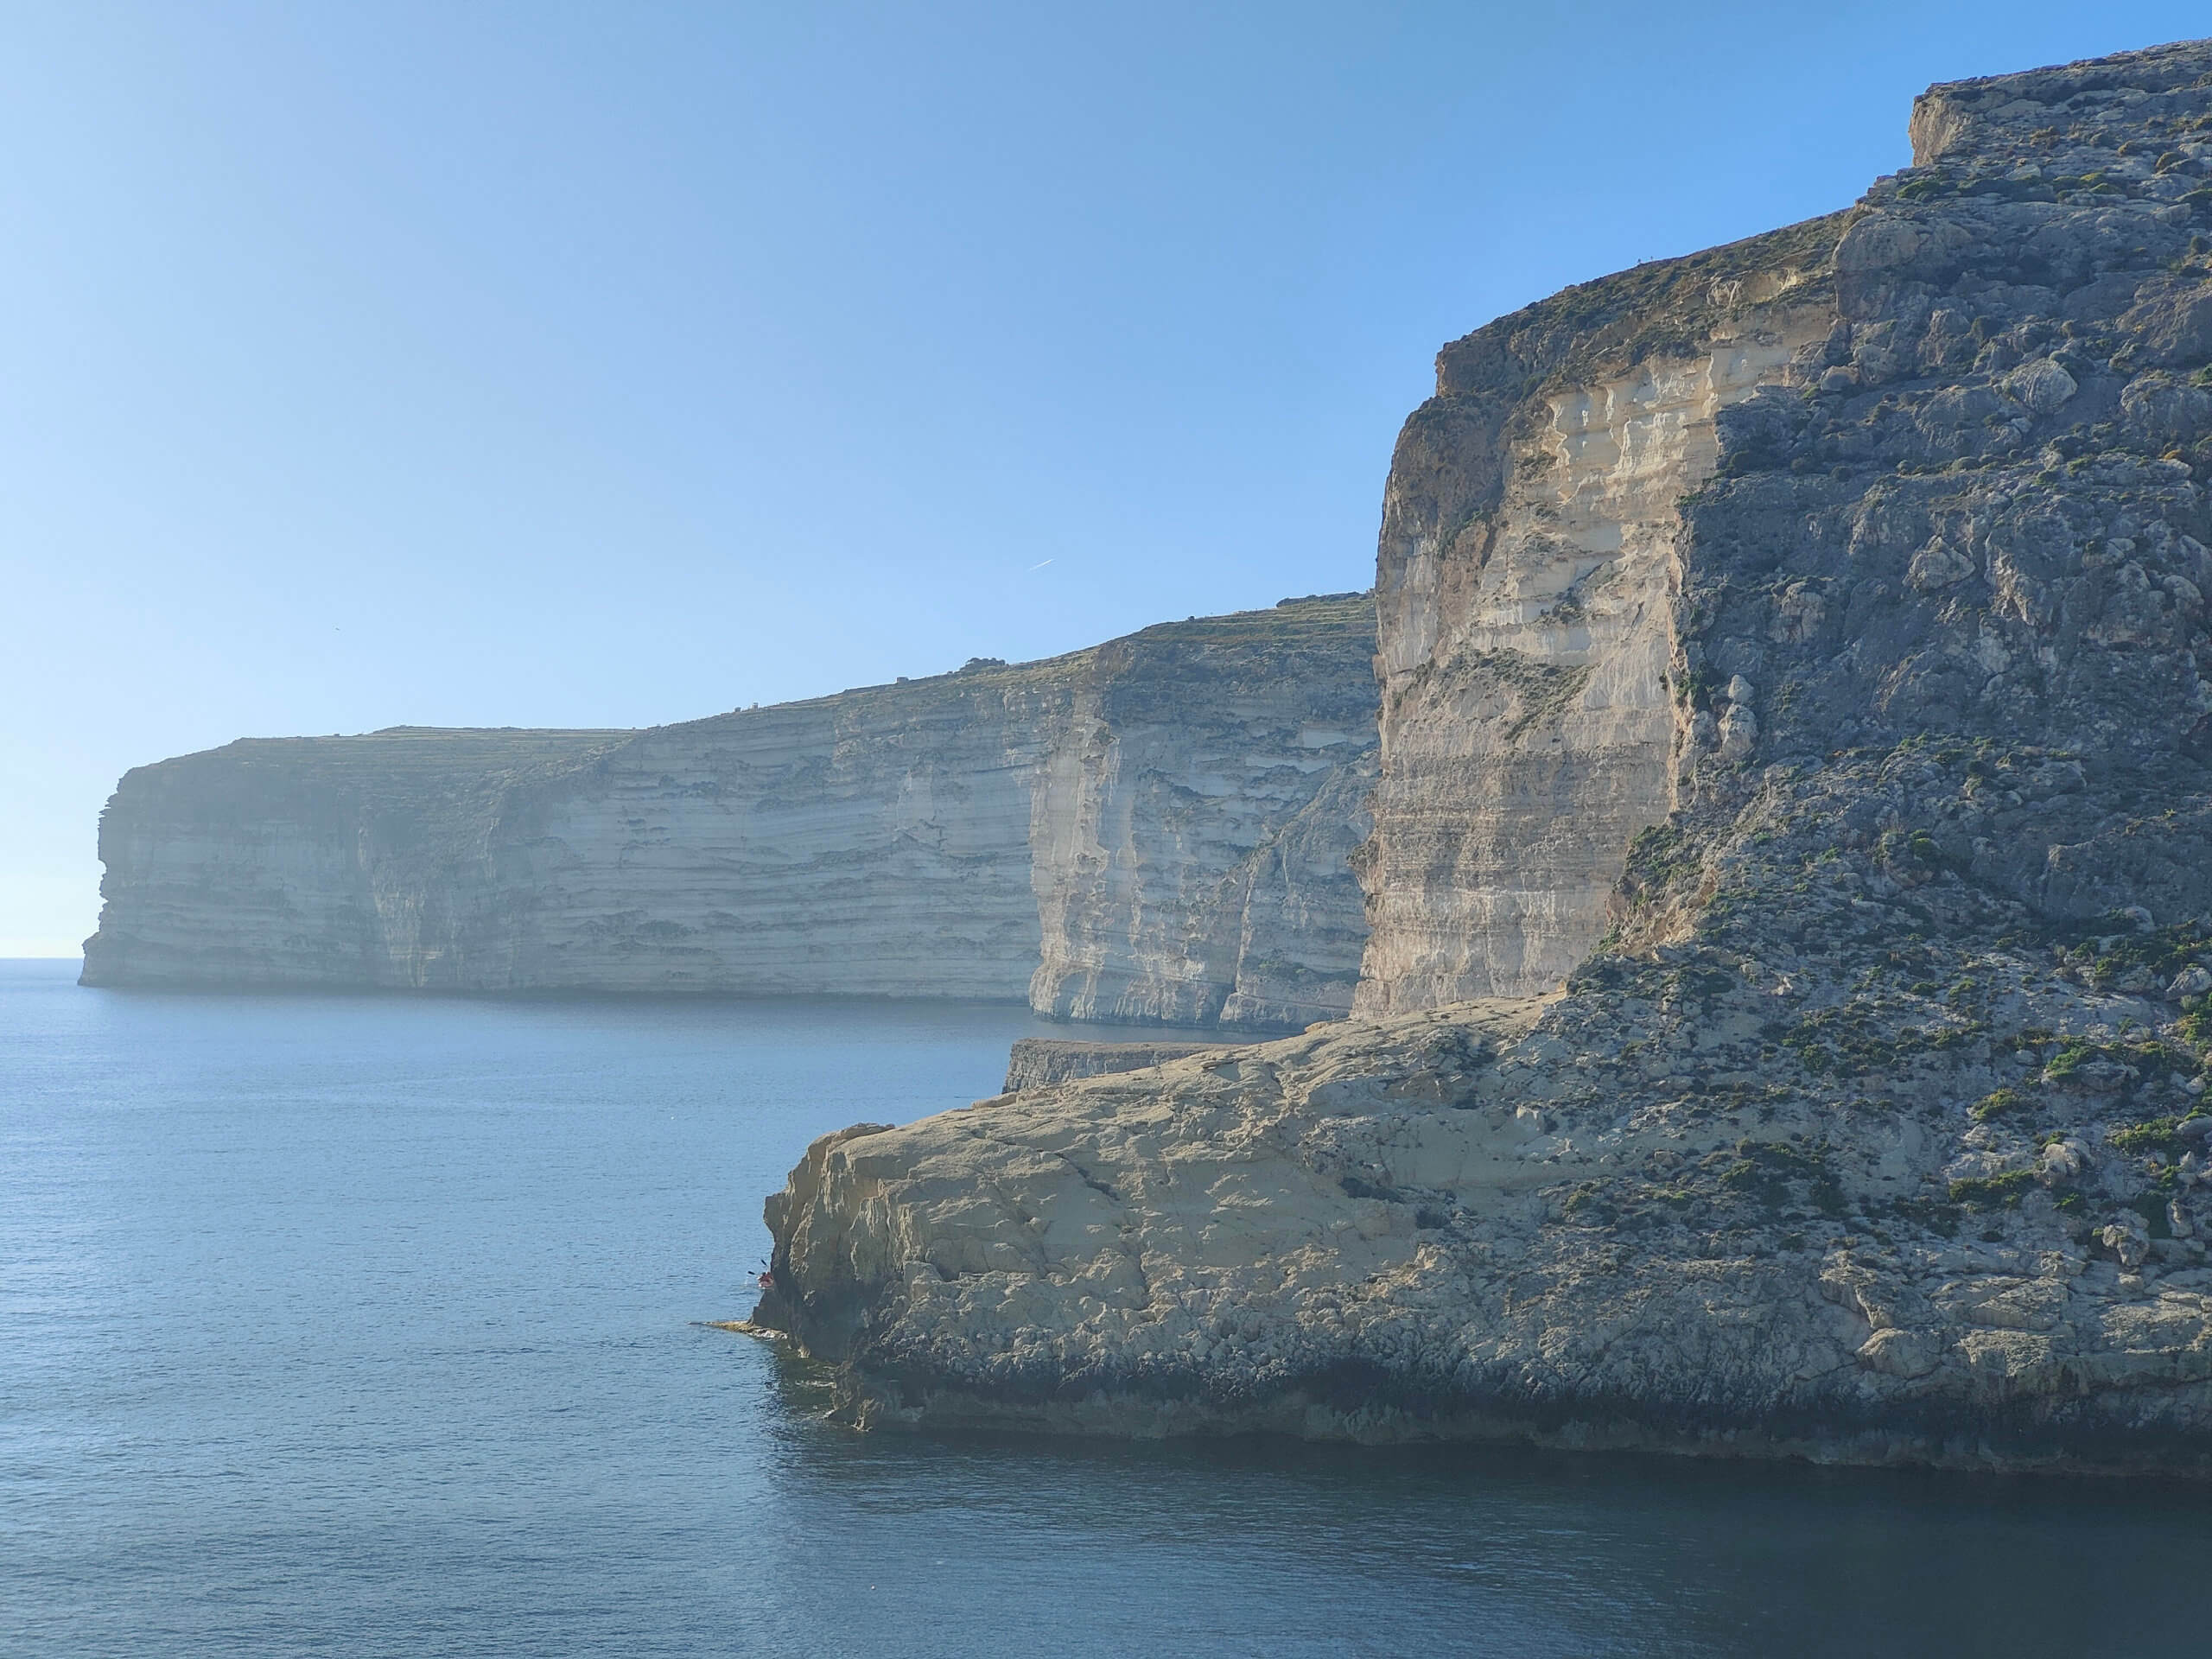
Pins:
x,y
1035,1062
1872,1125
1155,829
1527,571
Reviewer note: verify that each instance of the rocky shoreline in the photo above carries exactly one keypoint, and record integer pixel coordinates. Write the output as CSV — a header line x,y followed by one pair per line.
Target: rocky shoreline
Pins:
x,y
1801,650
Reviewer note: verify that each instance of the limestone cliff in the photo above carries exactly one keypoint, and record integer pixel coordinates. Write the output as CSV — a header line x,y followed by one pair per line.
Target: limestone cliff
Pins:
x,y
1806,645
1154,829
310,861
1529,562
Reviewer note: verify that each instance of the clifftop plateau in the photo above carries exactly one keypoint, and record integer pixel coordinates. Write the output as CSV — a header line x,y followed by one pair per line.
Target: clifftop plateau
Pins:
x,y
1802,651
1154,829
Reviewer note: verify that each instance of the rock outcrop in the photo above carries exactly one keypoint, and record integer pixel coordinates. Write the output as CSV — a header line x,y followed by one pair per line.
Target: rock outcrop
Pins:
x,y
1156,829
1806,645
1036,1062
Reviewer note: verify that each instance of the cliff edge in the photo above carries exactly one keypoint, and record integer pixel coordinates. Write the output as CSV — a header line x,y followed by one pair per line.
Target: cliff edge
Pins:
x,y
1156,829
1801,648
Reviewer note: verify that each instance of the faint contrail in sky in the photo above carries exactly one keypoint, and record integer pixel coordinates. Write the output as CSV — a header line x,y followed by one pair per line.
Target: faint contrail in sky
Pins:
x,y
1039,565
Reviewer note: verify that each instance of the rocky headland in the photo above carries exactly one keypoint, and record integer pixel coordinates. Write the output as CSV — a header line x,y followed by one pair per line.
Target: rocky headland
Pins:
x,y
1783,1027
1152,829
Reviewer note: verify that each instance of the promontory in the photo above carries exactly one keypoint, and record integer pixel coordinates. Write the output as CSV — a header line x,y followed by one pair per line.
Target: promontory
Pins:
x,y
1781,1025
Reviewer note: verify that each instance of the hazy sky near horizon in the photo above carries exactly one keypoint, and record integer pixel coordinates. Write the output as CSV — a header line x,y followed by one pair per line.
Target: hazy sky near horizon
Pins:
x,y
574,365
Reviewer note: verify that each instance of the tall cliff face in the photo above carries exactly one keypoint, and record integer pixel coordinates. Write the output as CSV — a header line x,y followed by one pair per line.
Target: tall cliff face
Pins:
x,y
1154,829
874,843
312,862
1195,822
1528,574
1875,1124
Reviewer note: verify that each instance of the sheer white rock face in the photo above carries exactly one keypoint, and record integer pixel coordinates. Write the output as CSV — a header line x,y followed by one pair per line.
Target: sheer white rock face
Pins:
x,y
873,844
1530,727
1193,868
1155,828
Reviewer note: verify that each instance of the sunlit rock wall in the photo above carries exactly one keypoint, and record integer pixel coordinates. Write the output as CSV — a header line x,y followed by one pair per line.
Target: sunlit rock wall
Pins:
x,y
1527,579
1155,829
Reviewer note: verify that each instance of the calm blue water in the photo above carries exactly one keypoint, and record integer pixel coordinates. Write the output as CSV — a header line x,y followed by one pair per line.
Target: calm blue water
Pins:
x,y
361,1326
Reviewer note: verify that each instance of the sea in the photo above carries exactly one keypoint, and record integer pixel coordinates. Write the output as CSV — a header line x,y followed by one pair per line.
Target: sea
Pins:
x,y
373,1325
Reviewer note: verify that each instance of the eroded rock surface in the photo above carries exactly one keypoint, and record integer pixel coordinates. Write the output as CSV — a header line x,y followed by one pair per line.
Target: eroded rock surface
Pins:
x,y
1870,1125
1036,1062
1156,829
1503,1219
1529,567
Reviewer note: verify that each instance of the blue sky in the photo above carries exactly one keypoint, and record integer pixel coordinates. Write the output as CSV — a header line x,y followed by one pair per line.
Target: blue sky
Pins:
x,y
605,365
